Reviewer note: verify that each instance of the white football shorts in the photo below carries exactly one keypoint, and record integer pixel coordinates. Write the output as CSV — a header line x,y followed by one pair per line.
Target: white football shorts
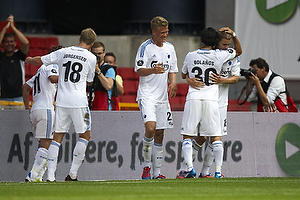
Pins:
x,y
157,112
81,118
201,116
223,120
42,121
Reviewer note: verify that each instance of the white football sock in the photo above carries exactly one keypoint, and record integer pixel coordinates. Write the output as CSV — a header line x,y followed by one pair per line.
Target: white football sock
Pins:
x,y
40,159
147,150
78,156
208,159
218,153
42,171
187,151
196,148
52,159
157,158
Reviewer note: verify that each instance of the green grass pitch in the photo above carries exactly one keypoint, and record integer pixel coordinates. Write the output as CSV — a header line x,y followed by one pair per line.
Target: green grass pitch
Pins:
x,y
227,188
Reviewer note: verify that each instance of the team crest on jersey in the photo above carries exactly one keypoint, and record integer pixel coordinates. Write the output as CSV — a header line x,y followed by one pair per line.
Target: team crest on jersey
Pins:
x,y
140,63
229,62
168,56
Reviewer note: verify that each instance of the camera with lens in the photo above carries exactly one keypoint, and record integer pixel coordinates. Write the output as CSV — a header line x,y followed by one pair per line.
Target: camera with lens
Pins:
x,y
247,72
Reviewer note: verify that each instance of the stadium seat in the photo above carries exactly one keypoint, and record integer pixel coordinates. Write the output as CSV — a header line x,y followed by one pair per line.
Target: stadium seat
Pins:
x,y
177,103
36,43
51,41
37,52
234,106
127,98
182,89
130,87
127,73
31,70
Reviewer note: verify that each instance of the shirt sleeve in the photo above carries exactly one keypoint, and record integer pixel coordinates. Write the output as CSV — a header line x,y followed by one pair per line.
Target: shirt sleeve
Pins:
x,y
184,69
174,67
253,94
140,59
110,73
277,85
52,58
52,70
235,70
30,82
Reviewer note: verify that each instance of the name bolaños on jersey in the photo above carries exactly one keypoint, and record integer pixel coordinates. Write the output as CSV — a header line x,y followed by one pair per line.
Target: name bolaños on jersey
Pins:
x,y
76,67
154,86
230,68
201,64
43,90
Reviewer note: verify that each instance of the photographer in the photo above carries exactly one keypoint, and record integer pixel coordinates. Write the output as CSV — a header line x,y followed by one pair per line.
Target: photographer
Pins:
x,y
268,87
104,86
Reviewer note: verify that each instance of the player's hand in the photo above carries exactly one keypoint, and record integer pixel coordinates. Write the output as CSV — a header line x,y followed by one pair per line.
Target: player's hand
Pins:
x,y
215,78
27,60
158,69
195,83
172,89
226,30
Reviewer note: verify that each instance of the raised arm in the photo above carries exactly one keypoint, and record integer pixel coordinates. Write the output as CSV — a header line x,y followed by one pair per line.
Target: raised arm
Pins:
x,y
236,42
24,42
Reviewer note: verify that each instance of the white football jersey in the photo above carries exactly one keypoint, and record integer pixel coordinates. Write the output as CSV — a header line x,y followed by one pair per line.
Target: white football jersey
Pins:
x,y
76,67
154,86
43,90
200,64
229,68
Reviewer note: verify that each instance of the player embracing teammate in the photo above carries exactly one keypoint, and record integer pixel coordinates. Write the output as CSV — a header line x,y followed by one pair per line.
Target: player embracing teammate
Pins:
x,y
201,112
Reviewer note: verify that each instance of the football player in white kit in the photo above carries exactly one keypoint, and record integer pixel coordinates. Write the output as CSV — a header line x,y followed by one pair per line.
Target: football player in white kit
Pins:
x,y
41,115
76,66
201,111
155,63
229,74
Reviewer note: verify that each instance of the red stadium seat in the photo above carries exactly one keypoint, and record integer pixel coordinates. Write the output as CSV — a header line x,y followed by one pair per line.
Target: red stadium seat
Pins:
x,y
51,41
182,89
36,43
127,73
234,106
37,52
177,103
130,87
30,70
127,98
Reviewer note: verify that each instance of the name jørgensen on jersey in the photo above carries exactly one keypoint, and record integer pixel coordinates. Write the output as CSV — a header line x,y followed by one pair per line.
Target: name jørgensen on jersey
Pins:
x,y
75,57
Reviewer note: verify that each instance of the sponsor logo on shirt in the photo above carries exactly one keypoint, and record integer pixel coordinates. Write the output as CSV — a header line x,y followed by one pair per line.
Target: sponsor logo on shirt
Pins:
x,y
140,63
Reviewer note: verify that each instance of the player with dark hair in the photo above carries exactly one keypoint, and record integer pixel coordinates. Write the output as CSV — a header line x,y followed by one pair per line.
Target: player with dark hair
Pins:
x,y
229,75
201,110
41,115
